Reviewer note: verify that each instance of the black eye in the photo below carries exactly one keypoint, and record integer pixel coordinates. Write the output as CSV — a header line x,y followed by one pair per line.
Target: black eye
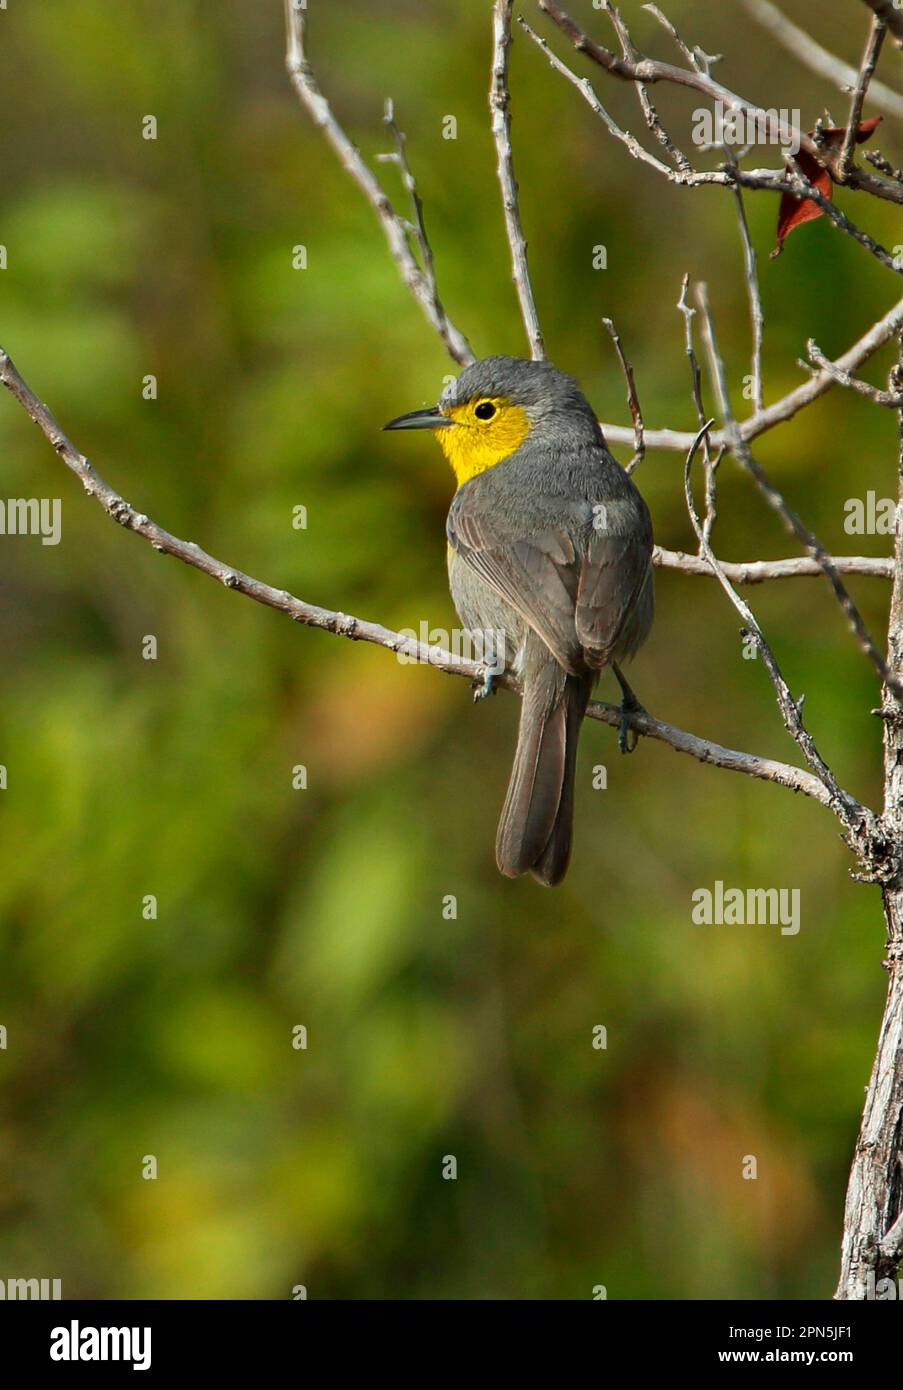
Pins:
x,y
485,410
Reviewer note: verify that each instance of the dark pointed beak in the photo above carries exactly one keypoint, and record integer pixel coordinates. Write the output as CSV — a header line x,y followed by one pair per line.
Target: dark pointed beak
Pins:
x,y
420,420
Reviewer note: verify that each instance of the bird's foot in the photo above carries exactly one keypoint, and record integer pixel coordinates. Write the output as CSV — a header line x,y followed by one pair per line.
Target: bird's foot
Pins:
x,y
628,737
486,686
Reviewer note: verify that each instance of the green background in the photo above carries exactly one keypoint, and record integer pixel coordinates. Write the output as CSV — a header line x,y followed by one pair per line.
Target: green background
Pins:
x,y
427,1037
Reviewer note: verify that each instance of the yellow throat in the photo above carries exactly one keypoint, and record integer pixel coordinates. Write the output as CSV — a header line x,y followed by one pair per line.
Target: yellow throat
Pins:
x,y
475,443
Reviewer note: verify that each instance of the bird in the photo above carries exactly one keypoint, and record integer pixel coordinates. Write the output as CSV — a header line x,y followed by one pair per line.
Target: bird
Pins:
x,y
549,547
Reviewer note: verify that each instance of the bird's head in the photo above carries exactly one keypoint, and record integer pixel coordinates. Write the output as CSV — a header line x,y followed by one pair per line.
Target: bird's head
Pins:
x,y
496,405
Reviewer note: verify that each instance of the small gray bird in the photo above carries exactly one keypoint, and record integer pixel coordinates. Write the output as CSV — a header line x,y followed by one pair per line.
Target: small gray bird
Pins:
x,y
550,567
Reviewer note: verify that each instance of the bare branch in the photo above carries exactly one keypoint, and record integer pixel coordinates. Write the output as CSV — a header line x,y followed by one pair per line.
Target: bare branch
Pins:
x,y
400,157
697,59
865,388
649,71
758,571
689,179
866,73
500,107
805,50
710,463
636,414
653,120
775,500
701,62
865,347
796,779
420,282
877,159
847,810
757,318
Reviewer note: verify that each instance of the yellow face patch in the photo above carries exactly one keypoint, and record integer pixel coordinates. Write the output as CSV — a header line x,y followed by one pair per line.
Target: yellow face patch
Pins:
x,y
487,430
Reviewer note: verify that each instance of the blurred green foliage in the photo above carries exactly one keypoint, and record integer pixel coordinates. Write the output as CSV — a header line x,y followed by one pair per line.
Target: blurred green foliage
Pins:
x,y
323,907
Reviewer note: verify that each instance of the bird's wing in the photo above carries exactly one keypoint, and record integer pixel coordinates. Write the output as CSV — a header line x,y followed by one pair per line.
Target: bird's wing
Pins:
x,y
577,594
538,575
614,571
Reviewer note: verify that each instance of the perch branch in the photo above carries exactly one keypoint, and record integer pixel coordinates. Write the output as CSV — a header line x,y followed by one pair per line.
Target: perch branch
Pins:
x,y
357,629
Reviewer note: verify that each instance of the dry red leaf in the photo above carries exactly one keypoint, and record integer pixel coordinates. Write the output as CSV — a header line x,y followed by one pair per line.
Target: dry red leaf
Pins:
x,y
793,211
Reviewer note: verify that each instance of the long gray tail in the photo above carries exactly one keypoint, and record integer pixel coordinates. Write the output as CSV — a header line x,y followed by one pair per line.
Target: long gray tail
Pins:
x,y
537,818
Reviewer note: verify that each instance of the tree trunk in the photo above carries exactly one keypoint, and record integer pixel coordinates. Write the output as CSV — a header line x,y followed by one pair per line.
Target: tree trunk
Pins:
x,y
873,1218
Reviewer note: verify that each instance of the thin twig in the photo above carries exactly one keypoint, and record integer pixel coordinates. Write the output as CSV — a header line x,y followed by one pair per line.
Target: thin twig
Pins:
x,y
647,105
865,388
876,158
457,346
777,413
845,808
710,461
810,542
395,228
649,70
400,157
757,318
690,179
636,414
759,571
500,108
866,72
701,61
696,57
796,182
359,630
796,779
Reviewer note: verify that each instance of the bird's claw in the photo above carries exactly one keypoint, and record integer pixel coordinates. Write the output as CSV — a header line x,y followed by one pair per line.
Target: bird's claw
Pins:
x,y
628,738
486,687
